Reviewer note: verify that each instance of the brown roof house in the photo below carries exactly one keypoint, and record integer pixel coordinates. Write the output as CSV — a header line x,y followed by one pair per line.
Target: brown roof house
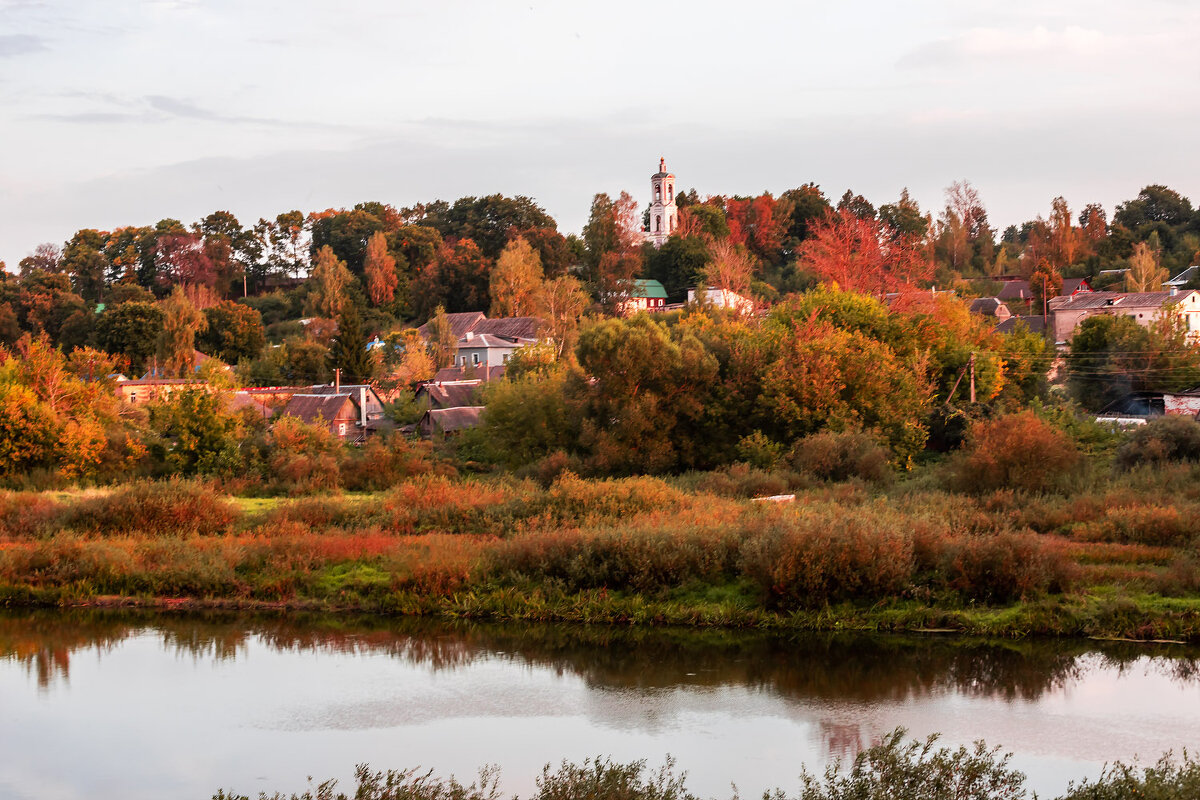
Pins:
x,y
484,342
448,420
990,307
1067,312
459,394
339,412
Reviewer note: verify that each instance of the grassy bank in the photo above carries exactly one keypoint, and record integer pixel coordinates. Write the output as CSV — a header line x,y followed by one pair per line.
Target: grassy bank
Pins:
x,y
1111,559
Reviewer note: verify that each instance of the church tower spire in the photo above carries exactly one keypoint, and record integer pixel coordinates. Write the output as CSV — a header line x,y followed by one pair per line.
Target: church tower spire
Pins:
x,y
664,214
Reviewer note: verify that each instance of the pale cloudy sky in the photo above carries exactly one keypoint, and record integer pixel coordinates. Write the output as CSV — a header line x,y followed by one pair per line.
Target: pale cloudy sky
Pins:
x,y
122,113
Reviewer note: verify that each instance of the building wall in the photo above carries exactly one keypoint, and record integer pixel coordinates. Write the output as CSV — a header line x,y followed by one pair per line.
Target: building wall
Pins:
x,y
481,356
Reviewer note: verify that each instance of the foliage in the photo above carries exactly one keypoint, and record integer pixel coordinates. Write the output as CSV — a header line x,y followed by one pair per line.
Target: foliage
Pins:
x,y
330,281
1168,438
516,281
864,255
1016,451
130,330
916,770
348,351
833,456
196,434
303,457
177,340
233,332
1112,355
379,268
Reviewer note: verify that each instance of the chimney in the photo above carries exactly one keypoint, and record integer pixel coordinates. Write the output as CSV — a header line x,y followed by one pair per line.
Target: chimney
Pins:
x,y
1174,291
337,381
362,406
470,335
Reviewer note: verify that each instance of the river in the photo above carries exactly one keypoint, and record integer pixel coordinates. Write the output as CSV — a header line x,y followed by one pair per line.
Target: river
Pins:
x,y
105,704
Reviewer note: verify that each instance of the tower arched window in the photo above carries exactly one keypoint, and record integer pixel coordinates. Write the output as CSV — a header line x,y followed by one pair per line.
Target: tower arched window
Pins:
x,y
657,223
670,193
657,193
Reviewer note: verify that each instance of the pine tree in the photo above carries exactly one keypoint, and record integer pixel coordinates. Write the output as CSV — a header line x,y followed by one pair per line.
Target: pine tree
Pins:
x,y
348,351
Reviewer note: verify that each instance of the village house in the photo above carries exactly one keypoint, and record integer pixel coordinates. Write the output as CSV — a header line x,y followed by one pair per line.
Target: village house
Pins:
x,y
991,307
483,342
1018,290
364,395
721,298
150,390
338,412
644,295
452,394
1144,307
448,420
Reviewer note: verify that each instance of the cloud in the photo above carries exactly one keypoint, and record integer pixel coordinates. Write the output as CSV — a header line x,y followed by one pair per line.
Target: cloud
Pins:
x,y
997,44
20,44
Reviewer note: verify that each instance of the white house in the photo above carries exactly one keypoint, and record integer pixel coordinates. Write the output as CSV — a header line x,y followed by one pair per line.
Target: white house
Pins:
x,y
721,298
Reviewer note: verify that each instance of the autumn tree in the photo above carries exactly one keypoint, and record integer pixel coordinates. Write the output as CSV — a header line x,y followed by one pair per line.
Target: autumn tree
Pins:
x,y
379,268
330,284
516,281
864,255
563,302
1045,283
1145,273
443,344
1066,241
177,340
729,271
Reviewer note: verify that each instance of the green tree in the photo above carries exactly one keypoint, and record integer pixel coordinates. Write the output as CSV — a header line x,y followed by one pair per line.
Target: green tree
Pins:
x,y
1145,273
489,221
130,330
233,332
1111,356
177,340
196,435
348,351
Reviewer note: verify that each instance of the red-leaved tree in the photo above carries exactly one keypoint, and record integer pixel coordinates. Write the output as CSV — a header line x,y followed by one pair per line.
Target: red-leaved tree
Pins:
x,y
864,255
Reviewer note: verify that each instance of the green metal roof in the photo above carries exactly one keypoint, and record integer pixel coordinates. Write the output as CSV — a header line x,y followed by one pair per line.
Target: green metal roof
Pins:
x,y
648,288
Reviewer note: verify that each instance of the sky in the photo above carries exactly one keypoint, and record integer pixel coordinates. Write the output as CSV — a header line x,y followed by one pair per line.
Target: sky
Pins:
x,y
123,113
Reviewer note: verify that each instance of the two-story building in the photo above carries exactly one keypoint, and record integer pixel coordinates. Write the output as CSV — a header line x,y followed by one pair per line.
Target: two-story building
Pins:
x,y
1066,313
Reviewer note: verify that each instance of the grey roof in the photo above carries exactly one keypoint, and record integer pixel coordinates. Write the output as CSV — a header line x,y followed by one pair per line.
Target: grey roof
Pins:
x,y
510,327
1188,275
487,340
478,372
1019,290
1090,300
988,306
451,419
460,323
1035,324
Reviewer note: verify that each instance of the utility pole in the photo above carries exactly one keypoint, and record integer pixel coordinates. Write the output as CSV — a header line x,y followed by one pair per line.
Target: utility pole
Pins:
x,y
1045,305
972,365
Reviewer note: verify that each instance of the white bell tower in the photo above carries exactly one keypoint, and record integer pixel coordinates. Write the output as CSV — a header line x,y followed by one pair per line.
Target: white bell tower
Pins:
x,y
664,214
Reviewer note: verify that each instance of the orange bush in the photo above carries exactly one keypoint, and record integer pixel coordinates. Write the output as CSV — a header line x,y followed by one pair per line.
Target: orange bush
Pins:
x,y
1016,451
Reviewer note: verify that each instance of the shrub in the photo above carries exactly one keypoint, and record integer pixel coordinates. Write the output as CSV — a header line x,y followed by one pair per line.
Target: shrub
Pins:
x,y
809,560
383,462
831,456
156,509
1005,567
304,457
743,480
1161,440
572,499
1015,451
1142,524
648,556
29,514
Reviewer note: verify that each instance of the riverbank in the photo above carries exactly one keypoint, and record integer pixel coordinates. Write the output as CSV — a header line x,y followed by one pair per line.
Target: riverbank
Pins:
x,y
1109,561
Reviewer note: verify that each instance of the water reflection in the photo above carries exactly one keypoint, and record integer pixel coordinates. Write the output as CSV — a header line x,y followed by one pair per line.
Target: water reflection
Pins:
x,y
285,696
867,669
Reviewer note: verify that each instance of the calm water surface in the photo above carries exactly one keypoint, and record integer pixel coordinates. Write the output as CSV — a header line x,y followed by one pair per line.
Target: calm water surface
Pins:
x,y
106,705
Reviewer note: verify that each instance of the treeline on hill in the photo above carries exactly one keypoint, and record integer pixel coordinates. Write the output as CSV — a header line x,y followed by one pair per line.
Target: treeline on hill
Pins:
x,y
389,268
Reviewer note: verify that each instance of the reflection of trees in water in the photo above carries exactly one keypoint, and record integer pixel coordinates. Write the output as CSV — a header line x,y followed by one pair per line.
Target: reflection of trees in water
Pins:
x,y
846,668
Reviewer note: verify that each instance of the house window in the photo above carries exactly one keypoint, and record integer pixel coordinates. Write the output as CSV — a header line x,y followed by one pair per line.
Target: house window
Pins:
x,y
133,397
475,358
341,429
504,358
